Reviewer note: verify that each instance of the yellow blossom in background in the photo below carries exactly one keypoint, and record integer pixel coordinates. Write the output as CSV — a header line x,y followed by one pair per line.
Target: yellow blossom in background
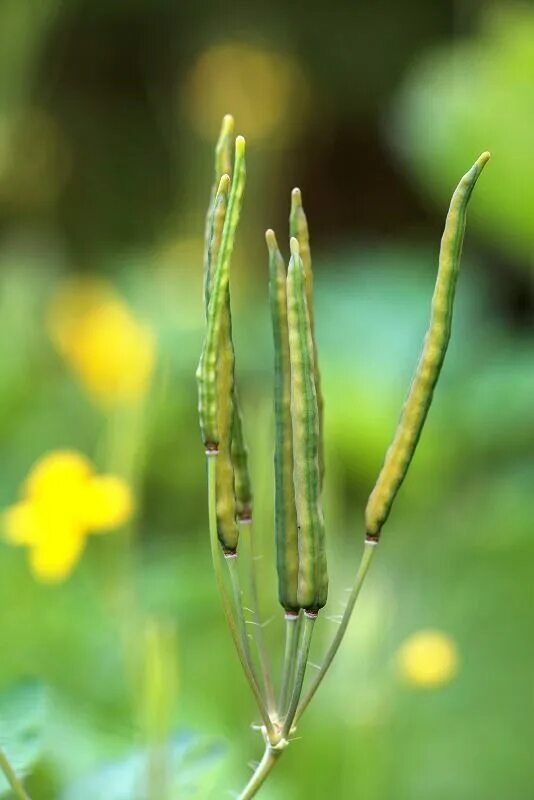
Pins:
x,y
428,659
264,90
111,353
62,502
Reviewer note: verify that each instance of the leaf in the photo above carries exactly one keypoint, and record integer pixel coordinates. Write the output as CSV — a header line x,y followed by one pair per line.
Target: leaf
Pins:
x,y
23,710
190,760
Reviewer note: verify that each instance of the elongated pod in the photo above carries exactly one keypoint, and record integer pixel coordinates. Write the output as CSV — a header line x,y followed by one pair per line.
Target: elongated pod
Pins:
x,y
214,226
312,575
287,555
239,453
417,404
225,497
217,306
298,228
215,217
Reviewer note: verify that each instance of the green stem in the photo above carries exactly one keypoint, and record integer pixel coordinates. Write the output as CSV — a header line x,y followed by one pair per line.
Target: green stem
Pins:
x,y
292,627
226,604
11,777
233,572
367,556
248,537
270,757
300,671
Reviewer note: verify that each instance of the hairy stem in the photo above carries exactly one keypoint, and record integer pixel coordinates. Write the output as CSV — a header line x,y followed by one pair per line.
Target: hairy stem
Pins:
x,y
270,758
292,627
247,535
235,582
11,777
300,671
367,556
226,604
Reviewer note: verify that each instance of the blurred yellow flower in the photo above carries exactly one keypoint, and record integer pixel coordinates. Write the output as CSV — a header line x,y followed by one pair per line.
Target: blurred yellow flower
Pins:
x,y
63,501
263,89
428,659
110,352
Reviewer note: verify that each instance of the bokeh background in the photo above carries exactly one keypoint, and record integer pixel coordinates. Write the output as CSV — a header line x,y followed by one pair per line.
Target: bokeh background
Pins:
x,y
108,116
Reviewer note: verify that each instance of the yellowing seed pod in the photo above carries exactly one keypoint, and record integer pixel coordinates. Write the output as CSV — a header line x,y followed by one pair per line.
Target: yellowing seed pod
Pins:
x,y
217,307
225,498
312,575
298,228
215,217
287,554
215,374
417,404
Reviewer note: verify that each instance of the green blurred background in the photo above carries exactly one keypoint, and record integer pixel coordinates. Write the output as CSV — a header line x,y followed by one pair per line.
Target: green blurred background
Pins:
x,y
108,116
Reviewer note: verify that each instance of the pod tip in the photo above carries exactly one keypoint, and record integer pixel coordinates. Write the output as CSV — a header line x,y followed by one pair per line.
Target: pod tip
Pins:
x,y
481,161
270,238
240,145
224,184
294,245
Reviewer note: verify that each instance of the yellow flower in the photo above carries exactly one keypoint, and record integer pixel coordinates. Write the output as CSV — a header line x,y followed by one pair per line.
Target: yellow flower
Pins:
x,y
428,659
110,352
63,501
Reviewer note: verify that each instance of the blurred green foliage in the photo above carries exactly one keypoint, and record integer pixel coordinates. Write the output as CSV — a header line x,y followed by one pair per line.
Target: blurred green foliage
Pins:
x,y
475,94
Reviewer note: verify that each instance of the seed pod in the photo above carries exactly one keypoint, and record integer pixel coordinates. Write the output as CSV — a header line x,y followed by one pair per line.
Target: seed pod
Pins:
x,y
218,299
312,576
417,404
239,453
298,228
238,450
215,229
225,494
287,554
224,474
223,166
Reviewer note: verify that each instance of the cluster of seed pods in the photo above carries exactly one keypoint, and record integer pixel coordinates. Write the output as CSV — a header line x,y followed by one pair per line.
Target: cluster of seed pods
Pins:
x,y
298,407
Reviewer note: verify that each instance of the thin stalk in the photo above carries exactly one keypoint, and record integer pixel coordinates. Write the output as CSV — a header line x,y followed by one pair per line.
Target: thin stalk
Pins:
x,y
11,777
226,604
270,757
367,556
233,572
247,536
292,627
300,671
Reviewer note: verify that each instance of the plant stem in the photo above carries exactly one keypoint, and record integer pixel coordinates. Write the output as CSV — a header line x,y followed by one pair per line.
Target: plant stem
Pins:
x,y
231,563
270,757
248,536
292,628
226,604
367,556
300,671
11,777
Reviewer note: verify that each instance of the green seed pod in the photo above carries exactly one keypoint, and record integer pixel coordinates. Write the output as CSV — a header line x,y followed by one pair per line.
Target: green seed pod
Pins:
x,y
216,224
223,166
417,404
298,228
226,509
225,498
287,554
312,577
239,452
217,308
